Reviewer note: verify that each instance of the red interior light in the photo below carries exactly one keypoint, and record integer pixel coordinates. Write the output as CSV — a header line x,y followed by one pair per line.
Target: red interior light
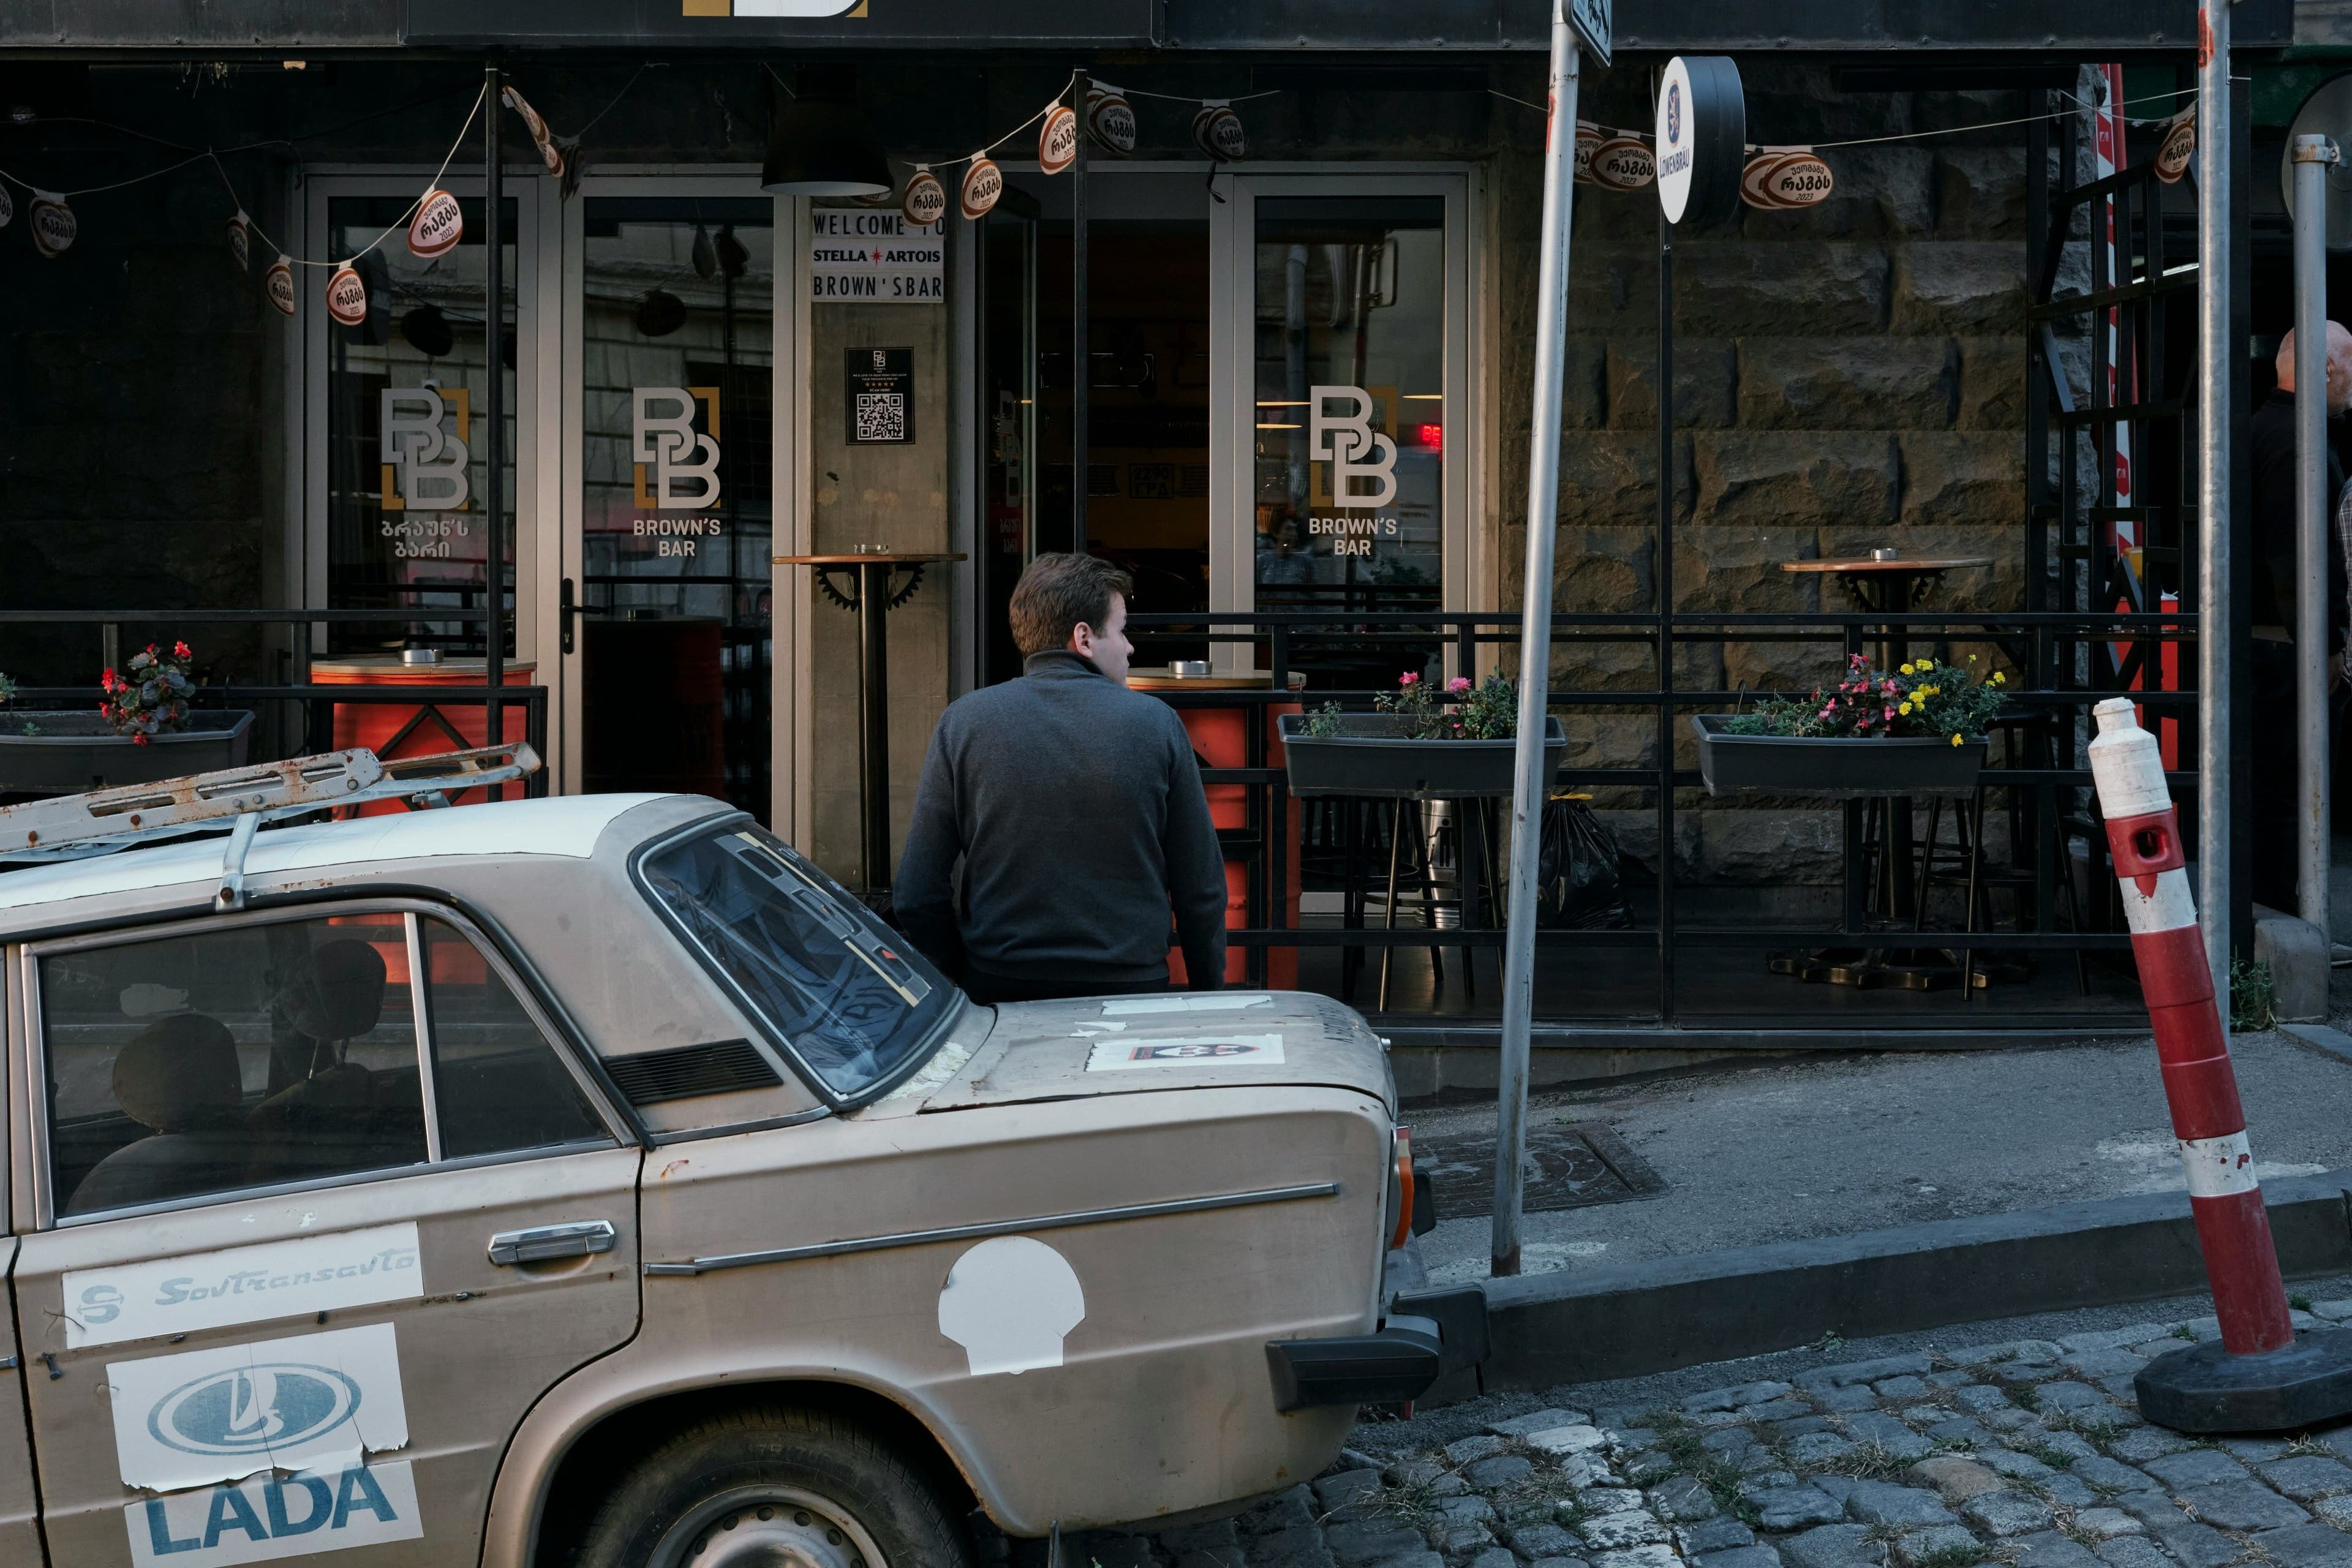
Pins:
x,y
1431,435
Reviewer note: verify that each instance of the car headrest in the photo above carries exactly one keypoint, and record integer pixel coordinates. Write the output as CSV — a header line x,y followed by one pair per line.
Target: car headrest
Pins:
x,y
179,1073
340,996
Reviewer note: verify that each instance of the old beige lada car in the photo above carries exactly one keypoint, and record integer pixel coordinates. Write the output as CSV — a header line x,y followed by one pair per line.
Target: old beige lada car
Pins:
x,y
592,1180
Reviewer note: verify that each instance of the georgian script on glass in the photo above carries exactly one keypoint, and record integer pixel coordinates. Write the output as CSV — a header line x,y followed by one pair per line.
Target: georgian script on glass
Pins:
x,y
852,1000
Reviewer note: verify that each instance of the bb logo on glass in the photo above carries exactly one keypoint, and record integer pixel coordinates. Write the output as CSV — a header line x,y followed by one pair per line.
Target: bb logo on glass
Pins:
x,y
423,468
682,462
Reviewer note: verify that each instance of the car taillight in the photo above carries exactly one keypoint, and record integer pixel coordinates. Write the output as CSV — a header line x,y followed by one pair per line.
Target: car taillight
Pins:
x,y
1400,1154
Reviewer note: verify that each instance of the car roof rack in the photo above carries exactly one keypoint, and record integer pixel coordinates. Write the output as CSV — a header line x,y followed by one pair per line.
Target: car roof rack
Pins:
x,y
102,822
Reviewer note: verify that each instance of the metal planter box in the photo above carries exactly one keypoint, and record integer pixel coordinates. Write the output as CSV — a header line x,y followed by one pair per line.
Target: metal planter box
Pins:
x,y
1842,767
1375,756
77,750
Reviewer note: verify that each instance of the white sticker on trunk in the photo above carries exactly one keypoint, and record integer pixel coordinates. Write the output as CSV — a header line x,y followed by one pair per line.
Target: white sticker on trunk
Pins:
x,y
1200,1002
314,1402
243,1285
1198,1051
269,1517
1009,1301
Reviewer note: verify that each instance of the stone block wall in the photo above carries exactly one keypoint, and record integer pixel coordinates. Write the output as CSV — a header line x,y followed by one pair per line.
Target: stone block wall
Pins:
x,y
1846,377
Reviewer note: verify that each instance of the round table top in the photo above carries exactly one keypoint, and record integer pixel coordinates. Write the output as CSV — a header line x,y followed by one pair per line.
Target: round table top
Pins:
x,y
1900,563
870,558
459,670
1159,680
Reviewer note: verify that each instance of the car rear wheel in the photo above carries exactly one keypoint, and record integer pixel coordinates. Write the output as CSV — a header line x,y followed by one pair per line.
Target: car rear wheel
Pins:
x,y
770,1487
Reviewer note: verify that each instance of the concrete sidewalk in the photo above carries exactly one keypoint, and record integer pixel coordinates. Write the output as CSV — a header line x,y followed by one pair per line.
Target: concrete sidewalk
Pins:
x,y
1825,1146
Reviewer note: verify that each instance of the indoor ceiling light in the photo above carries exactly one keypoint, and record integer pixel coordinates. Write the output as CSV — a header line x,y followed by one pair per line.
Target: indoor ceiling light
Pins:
x,y
823,147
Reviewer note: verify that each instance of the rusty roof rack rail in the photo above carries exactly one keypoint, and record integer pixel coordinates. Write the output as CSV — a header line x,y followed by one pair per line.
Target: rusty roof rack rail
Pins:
x,y
101,822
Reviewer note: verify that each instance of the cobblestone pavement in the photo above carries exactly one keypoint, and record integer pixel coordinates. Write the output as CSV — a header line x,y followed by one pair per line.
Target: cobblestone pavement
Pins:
x,y
2023,1452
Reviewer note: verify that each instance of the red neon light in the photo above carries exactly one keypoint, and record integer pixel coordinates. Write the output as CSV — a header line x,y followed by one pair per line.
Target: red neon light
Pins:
x,y
1431,435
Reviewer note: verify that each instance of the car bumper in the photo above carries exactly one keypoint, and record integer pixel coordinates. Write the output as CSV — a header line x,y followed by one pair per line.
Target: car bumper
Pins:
x,y
1424,1337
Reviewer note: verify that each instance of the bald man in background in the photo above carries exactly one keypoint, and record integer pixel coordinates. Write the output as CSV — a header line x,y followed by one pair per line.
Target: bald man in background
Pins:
x,y
2277,595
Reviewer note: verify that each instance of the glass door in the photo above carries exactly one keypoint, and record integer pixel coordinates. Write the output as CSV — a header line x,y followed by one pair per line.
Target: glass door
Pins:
x,y
666,610
1346,324
1007,418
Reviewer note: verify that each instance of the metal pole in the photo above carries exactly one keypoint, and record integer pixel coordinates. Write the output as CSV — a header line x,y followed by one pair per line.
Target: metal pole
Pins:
x,y
2311,156
493,413
2214,631
1081,361
1535,650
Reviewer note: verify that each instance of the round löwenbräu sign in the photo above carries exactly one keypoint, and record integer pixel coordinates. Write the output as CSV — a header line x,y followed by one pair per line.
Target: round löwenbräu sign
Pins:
x,y
983,183
1057,140
436,228
926,200
347,298
279,284
1622,163
1702,134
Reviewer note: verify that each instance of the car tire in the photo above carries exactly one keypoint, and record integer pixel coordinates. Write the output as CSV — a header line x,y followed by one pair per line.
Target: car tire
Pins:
x,y
774,1484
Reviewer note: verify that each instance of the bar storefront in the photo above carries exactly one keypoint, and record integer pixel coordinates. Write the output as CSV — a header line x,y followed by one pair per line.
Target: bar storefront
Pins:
x,y
780,343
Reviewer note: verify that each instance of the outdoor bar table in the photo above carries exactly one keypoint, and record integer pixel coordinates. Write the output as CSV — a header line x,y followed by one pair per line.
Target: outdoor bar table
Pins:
x,y
870,572
1884,584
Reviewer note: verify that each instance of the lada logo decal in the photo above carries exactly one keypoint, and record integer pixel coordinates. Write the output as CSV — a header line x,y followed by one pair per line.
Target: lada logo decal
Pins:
x,y
249,1410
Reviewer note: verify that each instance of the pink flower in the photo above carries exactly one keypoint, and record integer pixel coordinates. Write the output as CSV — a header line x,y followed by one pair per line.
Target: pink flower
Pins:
x,y
1408,679
1459,683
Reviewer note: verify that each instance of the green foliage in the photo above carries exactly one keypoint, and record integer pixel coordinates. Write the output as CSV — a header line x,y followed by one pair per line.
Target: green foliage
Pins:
x,y
1488,711
1324,723
2254,997
1921,699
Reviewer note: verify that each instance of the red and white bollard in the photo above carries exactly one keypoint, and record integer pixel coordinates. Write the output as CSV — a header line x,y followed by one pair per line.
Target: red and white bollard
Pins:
x,y
2259,1378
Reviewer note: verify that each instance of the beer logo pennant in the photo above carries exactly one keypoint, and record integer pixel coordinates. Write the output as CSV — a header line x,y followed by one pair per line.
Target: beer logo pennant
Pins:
x,y
1110,118
239,231
54,225
347,298
1057,140
1587,142
549,153
1217,132
983,183
2180,145
437,227
7,208
1623,164
279,284
926,200
1799,179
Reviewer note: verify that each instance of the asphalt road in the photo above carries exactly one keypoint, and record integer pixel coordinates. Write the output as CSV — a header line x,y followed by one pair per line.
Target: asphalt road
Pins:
x,y
1831,1145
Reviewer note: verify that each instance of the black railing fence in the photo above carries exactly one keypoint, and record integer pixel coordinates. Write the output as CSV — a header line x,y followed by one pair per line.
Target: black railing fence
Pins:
x,y
297,717
2056,874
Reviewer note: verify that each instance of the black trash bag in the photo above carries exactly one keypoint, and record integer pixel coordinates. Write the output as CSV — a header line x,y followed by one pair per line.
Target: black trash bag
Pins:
x,y
1579,883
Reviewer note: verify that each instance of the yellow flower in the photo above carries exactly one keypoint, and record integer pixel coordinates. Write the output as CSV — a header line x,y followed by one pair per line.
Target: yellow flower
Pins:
x,y
1956,739
1907,670
1905,708
1999,678
1973,658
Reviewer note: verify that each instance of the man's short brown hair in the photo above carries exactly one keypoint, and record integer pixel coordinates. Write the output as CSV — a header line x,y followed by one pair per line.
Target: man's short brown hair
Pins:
x,y
1058,593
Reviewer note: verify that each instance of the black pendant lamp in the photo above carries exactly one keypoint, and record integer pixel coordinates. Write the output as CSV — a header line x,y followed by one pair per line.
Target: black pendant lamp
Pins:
x,y
820,145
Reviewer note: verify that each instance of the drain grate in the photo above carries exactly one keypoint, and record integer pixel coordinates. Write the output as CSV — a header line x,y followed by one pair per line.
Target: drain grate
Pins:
x,y
1570,1164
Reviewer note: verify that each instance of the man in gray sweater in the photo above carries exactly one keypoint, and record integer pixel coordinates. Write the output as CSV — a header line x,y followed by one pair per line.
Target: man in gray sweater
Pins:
x,y
1075,808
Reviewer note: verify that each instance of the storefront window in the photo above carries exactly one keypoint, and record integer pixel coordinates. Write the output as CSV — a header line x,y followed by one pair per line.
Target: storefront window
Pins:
x,y
407,453
1350,402
676,458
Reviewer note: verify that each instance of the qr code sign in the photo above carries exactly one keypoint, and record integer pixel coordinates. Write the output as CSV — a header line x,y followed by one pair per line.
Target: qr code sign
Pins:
x,y
881,416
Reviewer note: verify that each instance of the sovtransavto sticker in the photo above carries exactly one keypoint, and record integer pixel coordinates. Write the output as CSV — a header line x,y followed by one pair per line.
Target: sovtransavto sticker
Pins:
x,y
111,1305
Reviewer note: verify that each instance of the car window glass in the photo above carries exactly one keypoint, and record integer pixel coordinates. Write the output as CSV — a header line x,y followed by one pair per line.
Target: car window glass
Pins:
x,y
237,1057
849,998
498,1081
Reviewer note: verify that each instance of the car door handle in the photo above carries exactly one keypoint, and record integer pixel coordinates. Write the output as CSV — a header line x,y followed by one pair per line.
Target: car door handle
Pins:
x,y
543,1243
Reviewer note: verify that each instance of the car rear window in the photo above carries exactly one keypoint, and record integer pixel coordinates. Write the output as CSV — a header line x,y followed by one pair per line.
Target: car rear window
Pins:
x,y
846,997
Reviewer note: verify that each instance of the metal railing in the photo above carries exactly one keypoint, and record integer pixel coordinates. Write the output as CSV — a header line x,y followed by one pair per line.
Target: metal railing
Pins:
x,y
2061,664
305,717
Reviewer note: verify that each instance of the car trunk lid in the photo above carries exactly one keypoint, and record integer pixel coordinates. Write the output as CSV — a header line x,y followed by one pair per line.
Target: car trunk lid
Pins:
x,y
1128,1045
